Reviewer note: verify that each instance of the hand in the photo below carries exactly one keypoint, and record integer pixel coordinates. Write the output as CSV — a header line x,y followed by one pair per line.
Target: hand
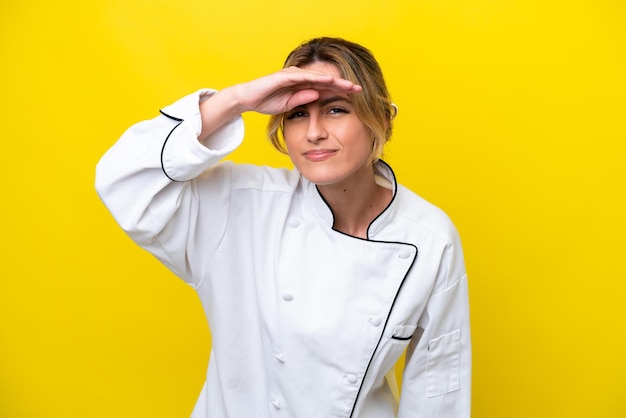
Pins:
x,y
286,89
273,94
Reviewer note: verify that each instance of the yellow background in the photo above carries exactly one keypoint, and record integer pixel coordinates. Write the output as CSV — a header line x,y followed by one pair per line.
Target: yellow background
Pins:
x,y
512,119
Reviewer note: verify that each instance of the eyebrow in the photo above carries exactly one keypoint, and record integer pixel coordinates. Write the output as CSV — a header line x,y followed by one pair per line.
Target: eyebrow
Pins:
x,y
332,99
326,101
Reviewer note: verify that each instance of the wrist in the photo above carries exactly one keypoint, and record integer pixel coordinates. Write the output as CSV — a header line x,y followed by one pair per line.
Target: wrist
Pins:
x,y
217,110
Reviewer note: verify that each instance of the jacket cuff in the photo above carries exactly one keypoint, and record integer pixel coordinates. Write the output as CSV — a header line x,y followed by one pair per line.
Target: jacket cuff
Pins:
x,y
183,156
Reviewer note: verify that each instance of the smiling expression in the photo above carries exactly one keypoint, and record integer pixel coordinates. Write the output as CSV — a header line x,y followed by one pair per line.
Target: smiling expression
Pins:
x,y
325,139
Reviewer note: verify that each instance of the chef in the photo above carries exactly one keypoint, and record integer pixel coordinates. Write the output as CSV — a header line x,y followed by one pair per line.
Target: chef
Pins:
x,y
316,279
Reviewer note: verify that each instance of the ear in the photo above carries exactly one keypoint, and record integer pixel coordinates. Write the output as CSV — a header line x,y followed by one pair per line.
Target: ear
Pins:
x,y
394,112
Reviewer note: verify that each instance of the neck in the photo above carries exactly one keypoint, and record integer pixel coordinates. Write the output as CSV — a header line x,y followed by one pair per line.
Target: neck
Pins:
x,y
356,203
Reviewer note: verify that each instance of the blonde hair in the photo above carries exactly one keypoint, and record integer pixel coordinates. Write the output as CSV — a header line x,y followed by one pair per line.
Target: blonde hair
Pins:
x,y
355,63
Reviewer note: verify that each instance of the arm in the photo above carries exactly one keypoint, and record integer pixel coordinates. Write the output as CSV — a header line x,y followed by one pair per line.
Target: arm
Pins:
x,y
148,179
437,376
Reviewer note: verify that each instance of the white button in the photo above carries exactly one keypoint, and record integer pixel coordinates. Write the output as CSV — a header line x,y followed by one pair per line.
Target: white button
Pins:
x,y
350,378
293,223
375,321
275,404
404,254
280,357
287,297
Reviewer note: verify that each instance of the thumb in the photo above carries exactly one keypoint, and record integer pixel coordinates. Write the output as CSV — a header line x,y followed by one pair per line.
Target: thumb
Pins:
x,y
302,97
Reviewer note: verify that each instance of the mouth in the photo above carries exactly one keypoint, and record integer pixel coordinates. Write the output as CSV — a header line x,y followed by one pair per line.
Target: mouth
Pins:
x,y
319,154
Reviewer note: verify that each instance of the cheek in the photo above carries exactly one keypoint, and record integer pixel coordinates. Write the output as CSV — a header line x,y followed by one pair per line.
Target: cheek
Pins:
x,y
362,142
290,132
289,142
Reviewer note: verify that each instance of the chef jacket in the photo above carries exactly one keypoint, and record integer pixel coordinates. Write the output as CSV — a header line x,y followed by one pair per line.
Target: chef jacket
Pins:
x,y
305,321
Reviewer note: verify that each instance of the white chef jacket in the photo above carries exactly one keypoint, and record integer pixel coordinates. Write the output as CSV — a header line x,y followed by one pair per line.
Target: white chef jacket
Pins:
x,y
305,321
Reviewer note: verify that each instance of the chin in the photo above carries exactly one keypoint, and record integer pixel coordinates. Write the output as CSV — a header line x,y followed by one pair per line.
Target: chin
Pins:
x,y
320,180
325,176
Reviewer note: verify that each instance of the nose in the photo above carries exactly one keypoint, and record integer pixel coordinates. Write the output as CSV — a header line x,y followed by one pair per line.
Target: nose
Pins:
x,y
316,130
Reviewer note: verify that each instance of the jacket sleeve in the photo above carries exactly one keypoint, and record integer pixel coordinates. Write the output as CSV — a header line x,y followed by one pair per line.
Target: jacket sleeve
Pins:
x,y
437,377
150,182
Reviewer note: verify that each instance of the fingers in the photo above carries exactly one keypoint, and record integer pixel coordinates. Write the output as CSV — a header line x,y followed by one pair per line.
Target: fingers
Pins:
x,y
300,79
287,88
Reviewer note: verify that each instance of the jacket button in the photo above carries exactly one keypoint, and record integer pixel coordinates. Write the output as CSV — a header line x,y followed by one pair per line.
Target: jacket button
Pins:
x,y
293,223
404,254
288,297
350,378
375,321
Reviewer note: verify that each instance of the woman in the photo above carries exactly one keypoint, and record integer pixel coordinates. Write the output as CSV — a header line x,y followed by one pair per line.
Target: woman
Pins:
x,y
314,280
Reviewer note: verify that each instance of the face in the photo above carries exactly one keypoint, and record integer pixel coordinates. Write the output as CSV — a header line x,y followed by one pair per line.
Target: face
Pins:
x,y
326,140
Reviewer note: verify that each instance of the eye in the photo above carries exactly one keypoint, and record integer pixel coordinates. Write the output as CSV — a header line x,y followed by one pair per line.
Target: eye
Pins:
x,y
337,110
295,114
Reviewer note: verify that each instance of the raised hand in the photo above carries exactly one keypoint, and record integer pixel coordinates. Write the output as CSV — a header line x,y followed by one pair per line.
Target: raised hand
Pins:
x,y
272,94
291,87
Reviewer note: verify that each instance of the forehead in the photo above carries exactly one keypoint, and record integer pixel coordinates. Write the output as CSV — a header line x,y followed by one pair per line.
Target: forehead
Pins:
x,y
327,95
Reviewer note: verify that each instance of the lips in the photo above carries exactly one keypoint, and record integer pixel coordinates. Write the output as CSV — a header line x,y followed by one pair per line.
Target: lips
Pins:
x,y
319,154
